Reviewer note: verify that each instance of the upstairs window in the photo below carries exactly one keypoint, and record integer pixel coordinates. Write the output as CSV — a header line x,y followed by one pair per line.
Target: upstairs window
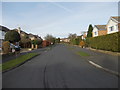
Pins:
x,y
112,28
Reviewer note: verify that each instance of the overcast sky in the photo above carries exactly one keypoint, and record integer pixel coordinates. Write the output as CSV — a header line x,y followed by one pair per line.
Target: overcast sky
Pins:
x,y
56,18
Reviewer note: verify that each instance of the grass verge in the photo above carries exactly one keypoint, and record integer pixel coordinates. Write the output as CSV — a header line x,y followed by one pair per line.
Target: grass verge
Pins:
x,y
82,53
13,63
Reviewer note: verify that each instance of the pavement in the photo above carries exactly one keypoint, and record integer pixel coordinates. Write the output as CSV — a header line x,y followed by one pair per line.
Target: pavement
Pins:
x,y
59,67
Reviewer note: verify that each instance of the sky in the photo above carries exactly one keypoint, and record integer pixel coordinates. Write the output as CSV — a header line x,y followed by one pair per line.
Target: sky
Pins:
x,y
56,18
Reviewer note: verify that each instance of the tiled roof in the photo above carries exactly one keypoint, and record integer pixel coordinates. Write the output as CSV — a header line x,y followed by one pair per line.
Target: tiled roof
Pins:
x,y
117,18
101,27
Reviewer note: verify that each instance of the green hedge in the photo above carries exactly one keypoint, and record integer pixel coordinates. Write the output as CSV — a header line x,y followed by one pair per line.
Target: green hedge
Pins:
x,y
76,41
108,42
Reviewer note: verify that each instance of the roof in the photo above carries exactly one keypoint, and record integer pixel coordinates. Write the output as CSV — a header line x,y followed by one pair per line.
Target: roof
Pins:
x,y
116,18
21,32
31,35
101,27
5,29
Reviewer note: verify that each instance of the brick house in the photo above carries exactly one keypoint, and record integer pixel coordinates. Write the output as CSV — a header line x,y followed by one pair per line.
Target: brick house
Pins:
x,y
45,43
99,30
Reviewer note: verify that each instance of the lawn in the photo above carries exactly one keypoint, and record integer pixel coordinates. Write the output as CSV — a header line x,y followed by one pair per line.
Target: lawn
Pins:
x,y
12,63
82,53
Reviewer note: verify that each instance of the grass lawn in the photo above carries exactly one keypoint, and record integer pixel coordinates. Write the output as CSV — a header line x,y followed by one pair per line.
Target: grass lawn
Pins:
x,y
12,63
82,53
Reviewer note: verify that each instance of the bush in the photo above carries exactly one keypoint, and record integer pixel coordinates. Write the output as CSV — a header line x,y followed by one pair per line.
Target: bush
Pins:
x,y
76,41
6,47
36,42
82,43
108,42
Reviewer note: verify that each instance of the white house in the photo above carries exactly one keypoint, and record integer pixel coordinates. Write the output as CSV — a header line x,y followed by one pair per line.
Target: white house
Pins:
x,y
99,30
84,35
3,31
113,25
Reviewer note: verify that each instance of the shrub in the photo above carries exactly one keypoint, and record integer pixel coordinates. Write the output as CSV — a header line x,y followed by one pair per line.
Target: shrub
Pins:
x,y
82,43
76,41
36,42
6,47
108,42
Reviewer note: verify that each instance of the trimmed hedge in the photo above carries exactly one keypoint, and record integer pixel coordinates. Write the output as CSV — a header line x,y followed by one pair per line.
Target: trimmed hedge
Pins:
x,y
108,42
76,41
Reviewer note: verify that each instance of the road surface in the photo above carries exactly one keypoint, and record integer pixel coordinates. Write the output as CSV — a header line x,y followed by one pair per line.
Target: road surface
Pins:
x,y
58,68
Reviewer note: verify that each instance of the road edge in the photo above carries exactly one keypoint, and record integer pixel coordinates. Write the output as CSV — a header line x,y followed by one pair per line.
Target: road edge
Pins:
x,y
105,69
19,64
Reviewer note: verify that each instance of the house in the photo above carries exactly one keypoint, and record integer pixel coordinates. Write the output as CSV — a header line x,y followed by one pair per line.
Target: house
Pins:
x,y
38,37
32,37
3,31
22,33
84,35
65,40
45,43
99,30
113,25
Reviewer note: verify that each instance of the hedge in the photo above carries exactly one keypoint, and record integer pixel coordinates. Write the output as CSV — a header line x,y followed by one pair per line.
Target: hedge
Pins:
x,y
76,41
108,42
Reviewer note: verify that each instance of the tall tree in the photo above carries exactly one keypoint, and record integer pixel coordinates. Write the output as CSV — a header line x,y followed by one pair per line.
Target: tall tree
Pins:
x,y
90,29
50,38
57,40
72,36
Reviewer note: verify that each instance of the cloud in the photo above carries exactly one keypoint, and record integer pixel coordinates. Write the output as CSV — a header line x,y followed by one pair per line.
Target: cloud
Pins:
x,y
62,7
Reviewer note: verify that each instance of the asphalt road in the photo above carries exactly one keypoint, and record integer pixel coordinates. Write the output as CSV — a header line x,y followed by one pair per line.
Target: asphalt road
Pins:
x,y
58,68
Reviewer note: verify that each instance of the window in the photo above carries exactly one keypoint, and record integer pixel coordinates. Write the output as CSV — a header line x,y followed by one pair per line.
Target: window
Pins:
x,y
95,33
3,33
111,28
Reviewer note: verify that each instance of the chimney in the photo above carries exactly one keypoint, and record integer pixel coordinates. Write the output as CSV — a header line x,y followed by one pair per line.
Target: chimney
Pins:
x,y
19,29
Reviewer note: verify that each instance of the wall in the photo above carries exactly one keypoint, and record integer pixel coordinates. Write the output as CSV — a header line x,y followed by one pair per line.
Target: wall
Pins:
x,y
102,32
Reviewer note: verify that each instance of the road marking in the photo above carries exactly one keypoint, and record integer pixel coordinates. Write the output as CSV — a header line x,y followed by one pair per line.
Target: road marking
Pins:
x,y
105,69
95,64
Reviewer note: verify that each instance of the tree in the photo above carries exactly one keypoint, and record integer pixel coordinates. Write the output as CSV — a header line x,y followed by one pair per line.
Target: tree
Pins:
x,y
12,36
90,29
36,42
72,36
50,38
57,40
